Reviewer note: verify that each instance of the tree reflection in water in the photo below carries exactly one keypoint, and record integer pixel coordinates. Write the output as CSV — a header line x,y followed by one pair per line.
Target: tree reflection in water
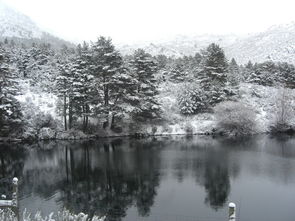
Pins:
x,y
12,158
217,183
105,180
209,166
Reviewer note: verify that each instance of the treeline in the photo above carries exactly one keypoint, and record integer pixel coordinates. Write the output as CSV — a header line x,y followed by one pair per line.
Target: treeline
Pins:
x,y
98,81
95,81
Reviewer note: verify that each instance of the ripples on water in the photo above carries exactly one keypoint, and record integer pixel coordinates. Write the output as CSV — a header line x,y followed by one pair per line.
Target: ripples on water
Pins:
x,y
162,178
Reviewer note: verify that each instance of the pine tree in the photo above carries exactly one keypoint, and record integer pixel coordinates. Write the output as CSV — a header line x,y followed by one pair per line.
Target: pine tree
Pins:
x,y
191,99
64,84
10,110
234,76
286,74
247,70
264,74
213,74
214,65
178,72
106,64
124,93
84,94
144,69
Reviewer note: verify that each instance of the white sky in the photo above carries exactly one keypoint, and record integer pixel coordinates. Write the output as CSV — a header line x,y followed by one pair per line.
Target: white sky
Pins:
x,y
130,21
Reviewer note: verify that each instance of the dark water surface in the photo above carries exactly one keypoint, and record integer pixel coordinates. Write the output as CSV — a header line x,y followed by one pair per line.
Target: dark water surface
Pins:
x,y
157,179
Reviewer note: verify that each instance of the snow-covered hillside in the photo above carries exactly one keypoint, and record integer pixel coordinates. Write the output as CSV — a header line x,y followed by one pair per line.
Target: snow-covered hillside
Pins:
x,y
277,44
19,27
15,24
180,45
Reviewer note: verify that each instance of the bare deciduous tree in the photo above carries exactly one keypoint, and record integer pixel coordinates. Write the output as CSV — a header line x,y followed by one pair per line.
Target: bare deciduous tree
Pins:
x,y
235,118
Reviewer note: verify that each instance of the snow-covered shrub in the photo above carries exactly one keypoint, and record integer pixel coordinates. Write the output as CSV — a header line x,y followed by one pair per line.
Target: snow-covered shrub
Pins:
x,y
167,129
154,130
44,120
35,118
65,215
235,118
189,129
284,111
191,99
7,215
46,133
215,95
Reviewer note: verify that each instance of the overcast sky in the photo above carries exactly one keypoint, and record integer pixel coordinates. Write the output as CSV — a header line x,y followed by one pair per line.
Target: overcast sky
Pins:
x,y
129,21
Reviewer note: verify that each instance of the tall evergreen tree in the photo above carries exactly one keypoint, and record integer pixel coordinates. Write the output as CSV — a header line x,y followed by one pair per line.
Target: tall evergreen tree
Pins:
x,y
286,74
144,68
213,74
264,74
214,66
107,63
247,70
84,91
178,72
234,75
64,84
10,110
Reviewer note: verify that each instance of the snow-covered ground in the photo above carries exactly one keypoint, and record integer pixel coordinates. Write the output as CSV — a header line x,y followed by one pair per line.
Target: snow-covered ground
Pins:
x,y
264,101
39,101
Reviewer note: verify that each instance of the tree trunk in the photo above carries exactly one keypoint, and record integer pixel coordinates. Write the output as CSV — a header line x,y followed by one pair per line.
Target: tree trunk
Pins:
x,y
106,95
112,121
65,112
3,166
83,111
72,165
67,169
70,113
86,122
86,117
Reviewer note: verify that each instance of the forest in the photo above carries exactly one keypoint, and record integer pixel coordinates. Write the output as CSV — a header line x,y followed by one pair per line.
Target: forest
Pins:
x,y
50,91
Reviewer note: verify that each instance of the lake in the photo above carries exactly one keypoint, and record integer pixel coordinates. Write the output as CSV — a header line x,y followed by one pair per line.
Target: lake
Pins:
x,y
156,179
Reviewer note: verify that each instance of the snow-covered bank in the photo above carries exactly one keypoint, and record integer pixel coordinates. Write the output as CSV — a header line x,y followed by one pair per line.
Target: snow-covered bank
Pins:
x,y
264,101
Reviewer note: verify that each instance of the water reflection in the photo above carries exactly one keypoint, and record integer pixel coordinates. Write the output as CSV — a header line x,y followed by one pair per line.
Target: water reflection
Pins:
x,y
113,176
11,164
210,168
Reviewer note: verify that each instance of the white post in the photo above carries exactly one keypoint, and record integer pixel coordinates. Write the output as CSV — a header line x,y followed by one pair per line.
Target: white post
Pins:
x,y
232,212
15,197
14,192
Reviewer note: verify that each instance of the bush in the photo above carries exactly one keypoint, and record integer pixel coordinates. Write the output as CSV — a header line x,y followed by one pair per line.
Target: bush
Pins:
x,y
191,99
44,120
189,129
65,215
284,112
235,118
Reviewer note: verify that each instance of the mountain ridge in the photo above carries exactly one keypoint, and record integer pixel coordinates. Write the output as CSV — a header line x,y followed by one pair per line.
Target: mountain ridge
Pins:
x,y
277,43
16,26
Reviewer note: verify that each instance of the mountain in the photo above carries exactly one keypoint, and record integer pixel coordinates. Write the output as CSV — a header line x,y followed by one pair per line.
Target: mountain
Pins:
x,y
19,27
180,45
15,24
276,43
